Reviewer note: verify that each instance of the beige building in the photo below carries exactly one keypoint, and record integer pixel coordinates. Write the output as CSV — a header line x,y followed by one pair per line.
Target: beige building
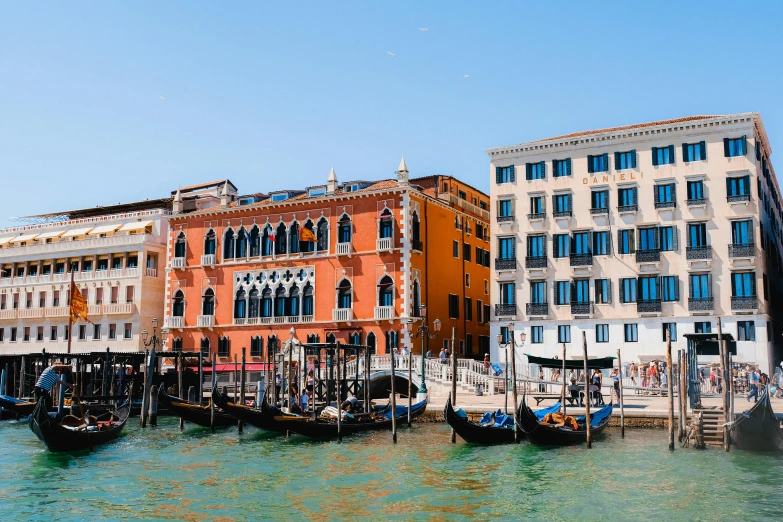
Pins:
x,y
117,253
623,232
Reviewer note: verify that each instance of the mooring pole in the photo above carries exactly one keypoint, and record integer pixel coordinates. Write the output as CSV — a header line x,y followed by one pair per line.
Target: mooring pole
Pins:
x,y
212,390
240,425
722,346
513,347
410,385
339,404
154,405
2,385
393,402
563,390
21,378
200,389
622,399
587,392
145,393
670,386
680,395
454,385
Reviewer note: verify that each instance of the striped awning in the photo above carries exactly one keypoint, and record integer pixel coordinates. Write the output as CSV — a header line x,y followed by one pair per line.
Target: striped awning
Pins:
x,y
104,229
77,232
47,235
22,239
139,225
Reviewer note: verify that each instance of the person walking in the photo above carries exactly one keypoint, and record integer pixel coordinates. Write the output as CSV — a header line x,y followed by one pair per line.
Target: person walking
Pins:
x,y
713,380
442,355
632,371
615,375
542,386
754,385
486,363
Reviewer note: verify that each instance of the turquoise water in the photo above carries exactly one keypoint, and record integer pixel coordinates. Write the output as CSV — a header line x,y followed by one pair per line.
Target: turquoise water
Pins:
x,y
164,474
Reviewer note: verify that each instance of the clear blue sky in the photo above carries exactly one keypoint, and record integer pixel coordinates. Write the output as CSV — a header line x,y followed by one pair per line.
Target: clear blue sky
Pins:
x,y
271,95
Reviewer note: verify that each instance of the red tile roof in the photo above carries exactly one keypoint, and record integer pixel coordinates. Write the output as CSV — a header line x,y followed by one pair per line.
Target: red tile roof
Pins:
x,y
629,127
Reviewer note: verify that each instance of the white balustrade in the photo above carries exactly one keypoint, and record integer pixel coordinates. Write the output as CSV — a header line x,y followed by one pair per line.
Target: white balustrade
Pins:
x,y
384,243
209,260
307,318
117,308
152,272
93,309
30,313
205,321
178,262
344,249
57,311
175,321
92,243
7,314
383,313
342,315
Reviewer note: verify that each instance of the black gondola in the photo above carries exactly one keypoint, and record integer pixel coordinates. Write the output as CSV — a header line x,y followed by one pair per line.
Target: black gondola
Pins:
x,y
477,434
545,434
757,429
258,417
57,436
193,412
17,407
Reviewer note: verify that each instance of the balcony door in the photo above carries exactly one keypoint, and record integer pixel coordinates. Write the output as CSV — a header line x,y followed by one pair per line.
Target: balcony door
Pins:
x,y
580,291
741,232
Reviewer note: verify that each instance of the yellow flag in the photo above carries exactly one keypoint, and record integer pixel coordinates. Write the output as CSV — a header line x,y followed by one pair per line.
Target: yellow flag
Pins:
x,y
307,235
78,305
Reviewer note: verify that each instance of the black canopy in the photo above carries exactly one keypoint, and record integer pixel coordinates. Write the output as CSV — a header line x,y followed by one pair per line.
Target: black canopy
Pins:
x,y
572,364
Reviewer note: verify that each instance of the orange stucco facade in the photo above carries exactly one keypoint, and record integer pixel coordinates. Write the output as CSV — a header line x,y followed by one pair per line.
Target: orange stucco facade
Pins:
x,y
382,248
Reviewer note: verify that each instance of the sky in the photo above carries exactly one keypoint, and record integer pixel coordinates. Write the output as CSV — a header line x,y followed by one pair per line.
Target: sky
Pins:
x,y
108,102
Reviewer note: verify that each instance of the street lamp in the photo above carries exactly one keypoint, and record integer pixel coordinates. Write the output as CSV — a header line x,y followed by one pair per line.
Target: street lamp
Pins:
x,y
513,344
423,331
154,341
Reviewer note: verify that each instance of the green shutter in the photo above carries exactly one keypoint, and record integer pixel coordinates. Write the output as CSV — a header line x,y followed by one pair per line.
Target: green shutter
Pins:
x,y
744,145
497,175
606,162
633,159
685,152
655,156
703,146
543,169
671,152
616,161
726,151
512,176
590,163
568,166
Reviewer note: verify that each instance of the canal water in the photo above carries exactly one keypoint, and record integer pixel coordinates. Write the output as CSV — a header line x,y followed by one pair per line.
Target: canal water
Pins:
x,y
164,474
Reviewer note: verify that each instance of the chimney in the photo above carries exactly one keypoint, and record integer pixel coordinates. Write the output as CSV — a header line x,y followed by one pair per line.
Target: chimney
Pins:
x,y
176,207
402,173
225,199
331,183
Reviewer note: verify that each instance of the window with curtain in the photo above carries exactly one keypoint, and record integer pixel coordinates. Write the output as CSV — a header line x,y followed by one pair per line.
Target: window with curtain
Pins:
x,y
535,170
626,196
178,305
670,290
702,327
267,245
386,292
504,174
580,291
625,160
266,302
293,301
240,304
204,345
631,333
625,242
743,284
505,208
600,199
647,239
241,243
537,334
696,190
385,225
694,151
603,291
648,288
307,300
668,238
746,330
628,287
741,232
505,248
580,243
738,186
733,147
598,163
253,309
210,243
255,242
562,244
280,302
344,294
700,287
208,302
665,193
536,204
697,234
308,246
602,333
562,292
561,168
536,246
538,292
563,333
293,238
280,239
507,293
562,202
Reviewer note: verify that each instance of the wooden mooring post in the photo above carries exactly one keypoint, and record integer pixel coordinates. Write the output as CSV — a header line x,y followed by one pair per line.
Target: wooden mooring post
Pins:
x,y
454,385
622,399
670,386
145,393
724,387
154,405
587,393
339,404
242,384
212,390
680,398
410,383
393,402
180,384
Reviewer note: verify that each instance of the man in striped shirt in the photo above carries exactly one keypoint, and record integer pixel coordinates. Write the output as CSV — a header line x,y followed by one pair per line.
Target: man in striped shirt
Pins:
x,y
48,379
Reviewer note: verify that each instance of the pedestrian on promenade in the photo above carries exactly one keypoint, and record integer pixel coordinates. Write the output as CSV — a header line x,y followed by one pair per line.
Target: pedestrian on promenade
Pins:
x,y
486,363
572,376
442,355
615,375
643,374
713,380
754,385
632,371
429,354
542,386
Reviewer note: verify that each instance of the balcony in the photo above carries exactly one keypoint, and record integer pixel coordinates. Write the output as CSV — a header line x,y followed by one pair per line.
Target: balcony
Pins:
x,y
537,309
582,309
648,306
57,311
119,309
536,216
93,244
93,310
740,199
30,313
696,203
417,246
599,211
205,321
648,256
6,315
701,304
175,321
627,209
506,310
178,262
151,272
209,260
344,249
581,260
505,219
665,205
535,262
699,254
563,214
383,243
749,303
742,254
505,264
342,315
464,205
383,313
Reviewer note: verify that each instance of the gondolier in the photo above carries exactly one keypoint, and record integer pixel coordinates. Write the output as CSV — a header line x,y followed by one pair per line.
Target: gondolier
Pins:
x,y
48,379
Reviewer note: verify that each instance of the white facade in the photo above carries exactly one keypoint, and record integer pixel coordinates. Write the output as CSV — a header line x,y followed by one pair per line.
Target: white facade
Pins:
x,y
681,218
117,260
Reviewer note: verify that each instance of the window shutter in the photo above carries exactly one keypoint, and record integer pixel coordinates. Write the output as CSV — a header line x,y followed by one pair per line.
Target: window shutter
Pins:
x,y
543,169
557,293
605,162
622,290
619,241
726,147
753,284
544,250
609,291
497,175
512,175
744,145
616,161
685,152
633,159
675,238
655,156
657,235
635,192
656,193
703,147
573,291
631,240
497,207
590,163
674,193
728,186
608,243
671,152
568,166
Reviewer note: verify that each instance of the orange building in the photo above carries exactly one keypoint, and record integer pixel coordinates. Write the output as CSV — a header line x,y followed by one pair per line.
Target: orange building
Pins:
x,y
349,261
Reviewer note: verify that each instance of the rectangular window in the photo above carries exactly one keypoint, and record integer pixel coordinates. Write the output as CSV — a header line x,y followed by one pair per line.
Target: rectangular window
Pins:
x,y
112,331
537,205
738,186
536,246
648,288
26,337
56,298
562,292
625,160
625,242
505,208
41,299
702,327
115,294
670,288
537,334
562,245
504,174
39,335
13,334
603,291
466,252
487,313
455,249
602,333
504,335
665,193
454,306
128,331
562,203
563,333
462,195
695,191
697,234
53,333
99,295
3,301
700,286
580,291
663,155
96,332
2,335
694,151
648,239
16,301
628,290
743,284
538,292
733,147
598,163
468,309
580,243
742,232
467,280
535,171
480,311
668,238
672,327
82,332
561,168
600,243
507,293
631,333
626,197
506,248
28,300
746,330
600,199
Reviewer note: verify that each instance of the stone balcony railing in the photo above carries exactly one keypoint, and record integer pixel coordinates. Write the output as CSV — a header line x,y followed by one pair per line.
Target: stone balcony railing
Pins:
x,y
205,321
208,260
383,243
175,321
178,262
6,315
344,249
383,313
342,315
92,244
89,275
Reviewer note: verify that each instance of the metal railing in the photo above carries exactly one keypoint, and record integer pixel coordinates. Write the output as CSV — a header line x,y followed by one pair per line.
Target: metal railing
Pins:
x,y
563,214
741,198
538,309
533,216
648,256
701,304
504,219
581,259
628,208
505,264
599,211
696,202
742,250
506,310
695,253
535,262
582,308
660,205
648,306
748,302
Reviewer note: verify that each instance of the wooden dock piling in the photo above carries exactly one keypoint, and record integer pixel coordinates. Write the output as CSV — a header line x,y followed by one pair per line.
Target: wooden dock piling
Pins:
x,y
154,405
454,385
145,394
724,385
670,387
212,390
339,404
393,403
587,393
242,384
622,400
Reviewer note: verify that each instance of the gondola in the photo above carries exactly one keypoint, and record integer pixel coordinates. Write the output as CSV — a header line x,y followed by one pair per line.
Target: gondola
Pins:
x,y
540,433
258,417
757,429
488,434
69,433
327,429
193,412
17,407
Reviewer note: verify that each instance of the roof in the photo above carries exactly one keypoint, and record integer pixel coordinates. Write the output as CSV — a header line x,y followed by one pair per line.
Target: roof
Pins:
x,y
629,127
208,184
119,208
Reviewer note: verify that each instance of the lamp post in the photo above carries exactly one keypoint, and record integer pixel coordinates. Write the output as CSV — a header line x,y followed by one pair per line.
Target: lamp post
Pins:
x,y
423,331
505,388
513,345
154,341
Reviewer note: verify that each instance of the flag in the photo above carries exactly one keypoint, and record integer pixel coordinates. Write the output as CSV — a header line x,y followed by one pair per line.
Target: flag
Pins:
x,y
78,308
307,235
272,237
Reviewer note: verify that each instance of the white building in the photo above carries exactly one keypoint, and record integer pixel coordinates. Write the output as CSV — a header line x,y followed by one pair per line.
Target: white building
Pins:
x,y
116,252
622,232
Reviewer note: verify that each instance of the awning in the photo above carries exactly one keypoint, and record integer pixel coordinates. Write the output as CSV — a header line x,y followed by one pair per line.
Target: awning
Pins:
x,y
47,235
77,232
4,240
572,364
139,225
22,239
104,229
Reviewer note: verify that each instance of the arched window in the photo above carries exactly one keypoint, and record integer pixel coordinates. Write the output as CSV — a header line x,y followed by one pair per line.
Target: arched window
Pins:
x,y
391,341
307,300
228,245
205,346
416,299
241,244
331,339
208,302
178,307
385,227
386,292
224,347
355,338
344,229
179,245
256,346
293,238
176,344
240,302
293,301
266,302
415,233
280,237
312,339
210,243
322,235
344,294
267,245
255,242
308,246
271,345
280,302
253,302
371,343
